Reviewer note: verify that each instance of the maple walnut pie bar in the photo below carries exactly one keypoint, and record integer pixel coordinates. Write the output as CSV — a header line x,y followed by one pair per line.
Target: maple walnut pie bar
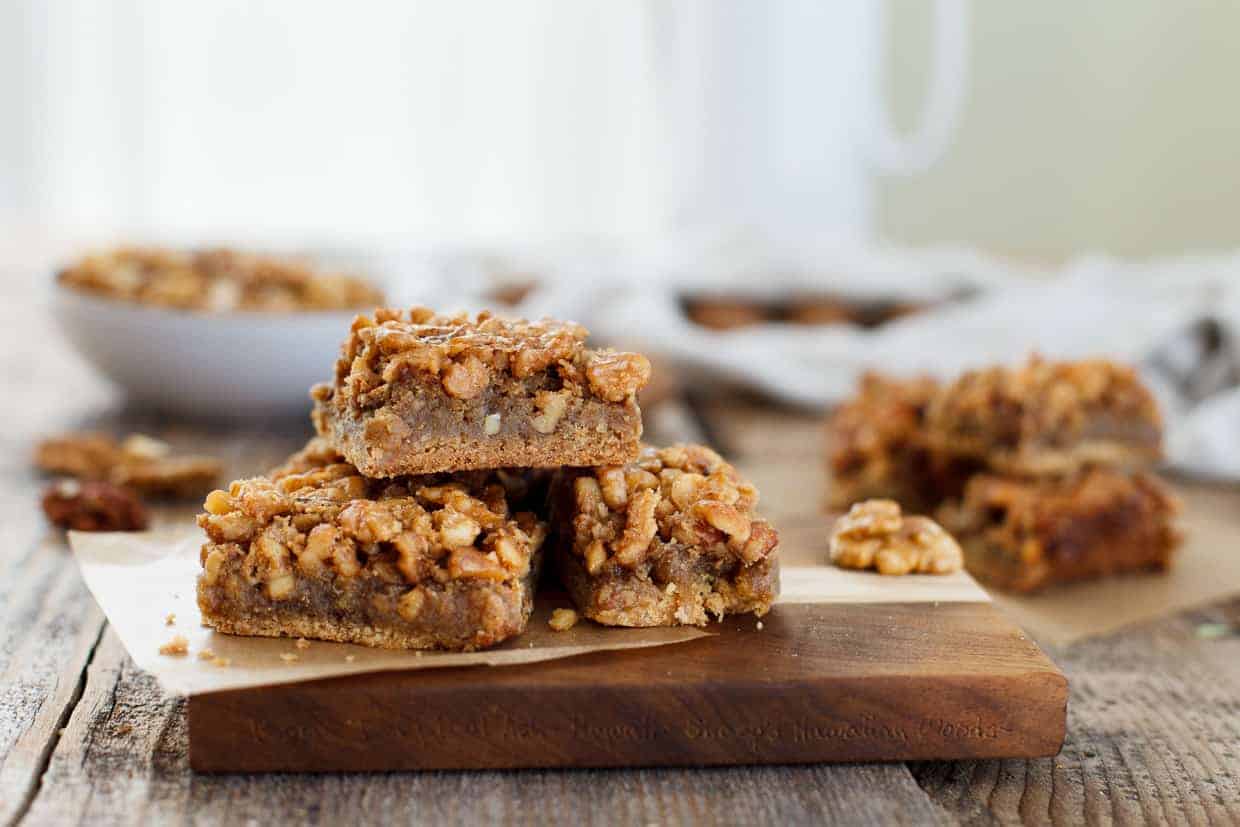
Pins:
x,y
878,447
669,539
316,550
418,393
1023,534
1049,417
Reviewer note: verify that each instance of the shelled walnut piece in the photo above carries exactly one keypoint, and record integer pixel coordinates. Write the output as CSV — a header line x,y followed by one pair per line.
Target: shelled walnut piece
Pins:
x,y
874,534
417,392
316,550
217,280
669,539
138,462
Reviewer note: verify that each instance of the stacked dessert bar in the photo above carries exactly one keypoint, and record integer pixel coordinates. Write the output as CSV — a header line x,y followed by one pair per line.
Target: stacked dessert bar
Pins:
x,y
450,451
1042,471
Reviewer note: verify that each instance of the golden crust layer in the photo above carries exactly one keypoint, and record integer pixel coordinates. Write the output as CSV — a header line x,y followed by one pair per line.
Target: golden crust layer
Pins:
x,y
216,280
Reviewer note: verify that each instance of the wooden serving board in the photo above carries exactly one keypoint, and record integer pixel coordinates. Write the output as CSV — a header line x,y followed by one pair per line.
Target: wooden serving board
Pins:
x,y
824,682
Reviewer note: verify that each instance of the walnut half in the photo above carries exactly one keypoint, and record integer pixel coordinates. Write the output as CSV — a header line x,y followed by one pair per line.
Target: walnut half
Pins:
x,y
874,534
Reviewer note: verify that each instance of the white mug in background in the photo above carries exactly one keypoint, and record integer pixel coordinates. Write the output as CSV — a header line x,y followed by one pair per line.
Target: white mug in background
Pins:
x,y
774,114
522,121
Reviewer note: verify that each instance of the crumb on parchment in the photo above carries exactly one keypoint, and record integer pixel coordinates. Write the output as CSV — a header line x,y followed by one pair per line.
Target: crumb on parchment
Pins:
x,y
178,645
170,619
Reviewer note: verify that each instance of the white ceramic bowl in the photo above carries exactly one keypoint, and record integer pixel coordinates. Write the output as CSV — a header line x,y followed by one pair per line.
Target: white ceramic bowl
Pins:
x,y
230,366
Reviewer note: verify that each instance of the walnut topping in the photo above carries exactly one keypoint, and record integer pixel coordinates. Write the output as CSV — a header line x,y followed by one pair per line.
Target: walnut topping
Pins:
x,y
874,534
1045,407
216,281
551,407
93,506
562,620
138,462
617,376
465,355
317,517
684,496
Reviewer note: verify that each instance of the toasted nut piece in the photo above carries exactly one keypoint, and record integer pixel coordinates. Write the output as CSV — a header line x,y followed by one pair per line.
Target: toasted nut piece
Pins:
x,y
870,518
596,556
281,586
214,562
467,378
562,620
725,518
369,521
617,376
410,604
874,535
218,502
614,487
455,529
469,563
413,561
551,407
589,497
640,528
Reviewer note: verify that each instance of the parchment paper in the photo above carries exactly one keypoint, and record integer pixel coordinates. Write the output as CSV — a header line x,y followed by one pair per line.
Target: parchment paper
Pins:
x,y
1206,569
140,579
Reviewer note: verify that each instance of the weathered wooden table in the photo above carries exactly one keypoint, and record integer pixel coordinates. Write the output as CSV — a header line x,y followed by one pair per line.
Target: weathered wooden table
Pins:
x,y
1154,716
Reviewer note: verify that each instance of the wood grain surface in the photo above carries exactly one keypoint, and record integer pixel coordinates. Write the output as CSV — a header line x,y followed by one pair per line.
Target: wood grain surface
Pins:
x,y
815,683
1153,714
